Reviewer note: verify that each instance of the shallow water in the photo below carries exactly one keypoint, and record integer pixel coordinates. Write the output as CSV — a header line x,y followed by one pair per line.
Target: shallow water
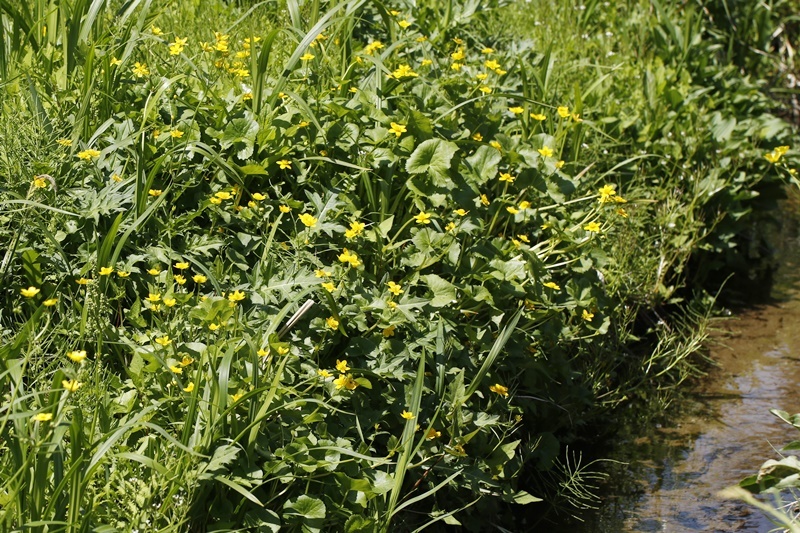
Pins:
x,y
719,433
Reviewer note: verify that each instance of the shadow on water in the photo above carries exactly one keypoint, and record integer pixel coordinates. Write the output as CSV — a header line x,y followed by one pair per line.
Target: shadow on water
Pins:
x,y
669,466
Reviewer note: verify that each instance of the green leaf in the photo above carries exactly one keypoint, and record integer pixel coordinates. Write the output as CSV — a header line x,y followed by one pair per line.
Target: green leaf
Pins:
x,y
308,511
484,164
359,524
434,157
241,134
262,521
444,292
520,497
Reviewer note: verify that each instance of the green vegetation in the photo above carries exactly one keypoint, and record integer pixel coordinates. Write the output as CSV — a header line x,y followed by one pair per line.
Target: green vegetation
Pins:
x,y
351,266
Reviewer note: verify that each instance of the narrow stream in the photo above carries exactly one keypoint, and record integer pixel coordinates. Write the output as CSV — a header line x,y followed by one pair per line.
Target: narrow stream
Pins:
x,y
668,475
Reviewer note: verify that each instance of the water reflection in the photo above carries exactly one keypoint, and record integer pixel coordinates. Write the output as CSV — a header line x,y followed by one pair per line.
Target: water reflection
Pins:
x,y
717,435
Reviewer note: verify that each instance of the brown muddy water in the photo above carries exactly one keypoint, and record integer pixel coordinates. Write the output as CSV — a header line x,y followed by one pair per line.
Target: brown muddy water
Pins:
x,y
668,474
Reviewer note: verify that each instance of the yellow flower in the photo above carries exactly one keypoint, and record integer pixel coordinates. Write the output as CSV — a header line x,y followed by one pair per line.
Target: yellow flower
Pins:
x,y
496,145
176,134
257,196
404,24
83,281
236,397
545,151
236,296
552,285
516,110
50,302
140,70
329,286
323,373
389,332
123,273
373,47
285,208
213,326
154,192
621,212
156,30
482,76
71,385
461,212
397,129
587,316
177,46
348,257
485,90
307,57
180,280
345,382
407,415
153,297
456,66
491,64
404,71
341,366
77,356
505,176
164,341
423,218
563,111
392,305
524,238
186,360
356,228
772,157
320,273
426,62
593,227
284,164
487,50
222,195
262,352
499,389
116,177
433,434
176,369
513,210
538,116
169,302
42,417
189,387
39,182
154,271
88,154
308,220
560,164
395,288
64,142
484,199
199,278
30,292
331,322
115,62
781,150
524,204
606,192
477,137
105,271
450,226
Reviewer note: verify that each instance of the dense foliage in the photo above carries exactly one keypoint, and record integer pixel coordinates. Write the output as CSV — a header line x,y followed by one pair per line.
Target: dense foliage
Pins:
x,y
348,266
